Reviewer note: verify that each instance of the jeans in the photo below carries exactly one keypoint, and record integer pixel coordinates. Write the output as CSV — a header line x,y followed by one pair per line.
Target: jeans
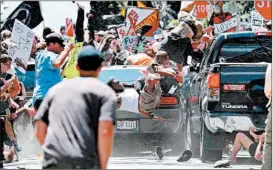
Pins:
x,y
267,155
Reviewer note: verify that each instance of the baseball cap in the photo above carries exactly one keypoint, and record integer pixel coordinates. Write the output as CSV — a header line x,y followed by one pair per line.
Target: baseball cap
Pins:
x,y
5,57
101,33
55,38
89,58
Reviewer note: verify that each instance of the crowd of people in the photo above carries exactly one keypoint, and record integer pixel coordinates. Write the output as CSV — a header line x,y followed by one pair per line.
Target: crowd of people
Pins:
x,y
76,128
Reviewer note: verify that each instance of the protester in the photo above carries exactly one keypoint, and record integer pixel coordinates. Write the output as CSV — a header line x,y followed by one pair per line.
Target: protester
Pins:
x,y
48,64
177,43
106,50
83,119
5,34
101,36
267,152
153,88
7,82
63,33
219,16
20,98
140,59
250,144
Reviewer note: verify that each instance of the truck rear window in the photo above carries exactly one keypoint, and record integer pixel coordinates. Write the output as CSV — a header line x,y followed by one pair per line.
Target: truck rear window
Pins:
x,y
246,50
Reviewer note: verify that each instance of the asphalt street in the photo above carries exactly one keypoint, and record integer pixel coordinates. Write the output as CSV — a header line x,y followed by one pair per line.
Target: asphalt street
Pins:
x,y
244,162
31,156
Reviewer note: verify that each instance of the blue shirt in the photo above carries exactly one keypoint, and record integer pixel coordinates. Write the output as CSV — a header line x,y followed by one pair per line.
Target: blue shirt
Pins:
x,y
46,75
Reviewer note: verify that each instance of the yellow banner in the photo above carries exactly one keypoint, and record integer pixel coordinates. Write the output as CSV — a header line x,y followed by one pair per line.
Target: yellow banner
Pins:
x,y
70,70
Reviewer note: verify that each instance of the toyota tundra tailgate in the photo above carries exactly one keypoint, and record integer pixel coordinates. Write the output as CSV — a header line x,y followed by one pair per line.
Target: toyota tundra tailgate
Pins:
x,y
242,88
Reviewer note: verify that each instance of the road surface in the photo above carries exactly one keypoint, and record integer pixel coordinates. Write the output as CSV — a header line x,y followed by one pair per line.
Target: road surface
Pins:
x,y
30,157
244,162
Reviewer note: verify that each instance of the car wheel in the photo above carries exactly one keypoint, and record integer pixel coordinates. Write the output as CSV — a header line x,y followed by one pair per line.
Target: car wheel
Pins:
x,y
192,141
207,141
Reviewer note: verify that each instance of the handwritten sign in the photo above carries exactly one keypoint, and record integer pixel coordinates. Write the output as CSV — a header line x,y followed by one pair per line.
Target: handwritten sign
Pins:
x,y
22,40
256,20
70,70
122,31
129,43
224,26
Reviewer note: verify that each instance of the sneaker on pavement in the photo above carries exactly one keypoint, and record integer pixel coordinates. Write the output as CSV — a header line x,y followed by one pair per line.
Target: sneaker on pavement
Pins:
x,y
222,163
158,153
185,156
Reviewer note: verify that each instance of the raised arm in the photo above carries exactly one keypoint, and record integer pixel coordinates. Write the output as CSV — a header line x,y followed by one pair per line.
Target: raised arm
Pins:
x,y
61,59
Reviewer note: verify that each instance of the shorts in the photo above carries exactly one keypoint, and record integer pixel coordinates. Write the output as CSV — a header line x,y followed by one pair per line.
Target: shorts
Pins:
x,y
252,149
37,103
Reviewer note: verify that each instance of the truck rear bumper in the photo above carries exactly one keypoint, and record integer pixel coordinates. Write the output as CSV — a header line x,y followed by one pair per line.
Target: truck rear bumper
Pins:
x,y
229,122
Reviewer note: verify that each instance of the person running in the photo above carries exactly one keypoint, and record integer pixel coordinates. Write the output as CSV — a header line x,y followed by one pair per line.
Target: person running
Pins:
x,y
48,63
76,130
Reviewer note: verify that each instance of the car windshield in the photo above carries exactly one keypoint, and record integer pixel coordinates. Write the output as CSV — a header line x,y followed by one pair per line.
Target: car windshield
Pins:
x,y
123,75
250,50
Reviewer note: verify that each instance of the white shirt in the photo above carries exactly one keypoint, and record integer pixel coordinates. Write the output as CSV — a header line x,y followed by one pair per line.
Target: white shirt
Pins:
x,y
129,100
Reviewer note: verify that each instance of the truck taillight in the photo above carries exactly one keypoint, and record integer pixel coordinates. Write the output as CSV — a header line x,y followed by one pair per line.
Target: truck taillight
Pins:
x,y
168,101
214,80
214,86
265,33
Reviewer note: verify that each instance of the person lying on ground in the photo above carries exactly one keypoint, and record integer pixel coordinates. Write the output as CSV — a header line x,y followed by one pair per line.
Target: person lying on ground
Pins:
x,y
249,143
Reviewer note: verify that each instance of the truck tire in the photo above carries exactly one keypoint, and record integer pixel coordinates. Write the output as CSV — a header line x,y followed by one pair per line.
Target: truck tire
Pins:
x,y
207,141
192,141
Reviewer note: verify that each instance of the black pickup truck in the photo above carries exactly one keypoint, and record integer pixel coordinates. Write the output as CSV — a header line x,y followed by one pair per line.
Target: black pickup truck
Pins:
x,y
226,92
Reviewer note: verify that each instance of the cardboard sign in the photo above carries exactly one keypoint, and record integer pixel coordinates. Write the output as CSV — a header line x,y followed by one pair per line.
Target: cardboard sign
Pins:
x,y
21,45
256,20
70,70
122,31
129,43
224,26
137,17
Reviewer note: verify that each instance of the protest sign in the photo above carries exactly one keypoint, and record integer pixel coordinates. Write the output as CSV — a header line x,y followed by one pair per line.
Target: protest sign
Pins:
x,y
224,26
201,9
122,32
70,70
256,20
129,43
264,7
21,45
137,17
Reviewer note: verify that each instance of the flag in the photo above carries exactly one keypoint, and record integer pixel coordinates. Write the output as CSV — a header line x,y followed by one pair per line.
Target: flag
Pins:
x,y
28,12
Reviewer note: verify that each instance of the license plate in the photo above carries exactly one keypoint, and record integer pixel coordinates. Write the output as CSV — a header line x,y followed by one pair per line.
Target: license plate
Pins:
x,y
229,87
126,125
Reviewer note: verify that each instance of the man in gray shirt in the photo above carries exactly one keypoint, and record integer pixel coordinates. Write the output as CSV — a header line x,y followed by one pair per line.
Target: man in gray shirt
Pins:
x,y
75,122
